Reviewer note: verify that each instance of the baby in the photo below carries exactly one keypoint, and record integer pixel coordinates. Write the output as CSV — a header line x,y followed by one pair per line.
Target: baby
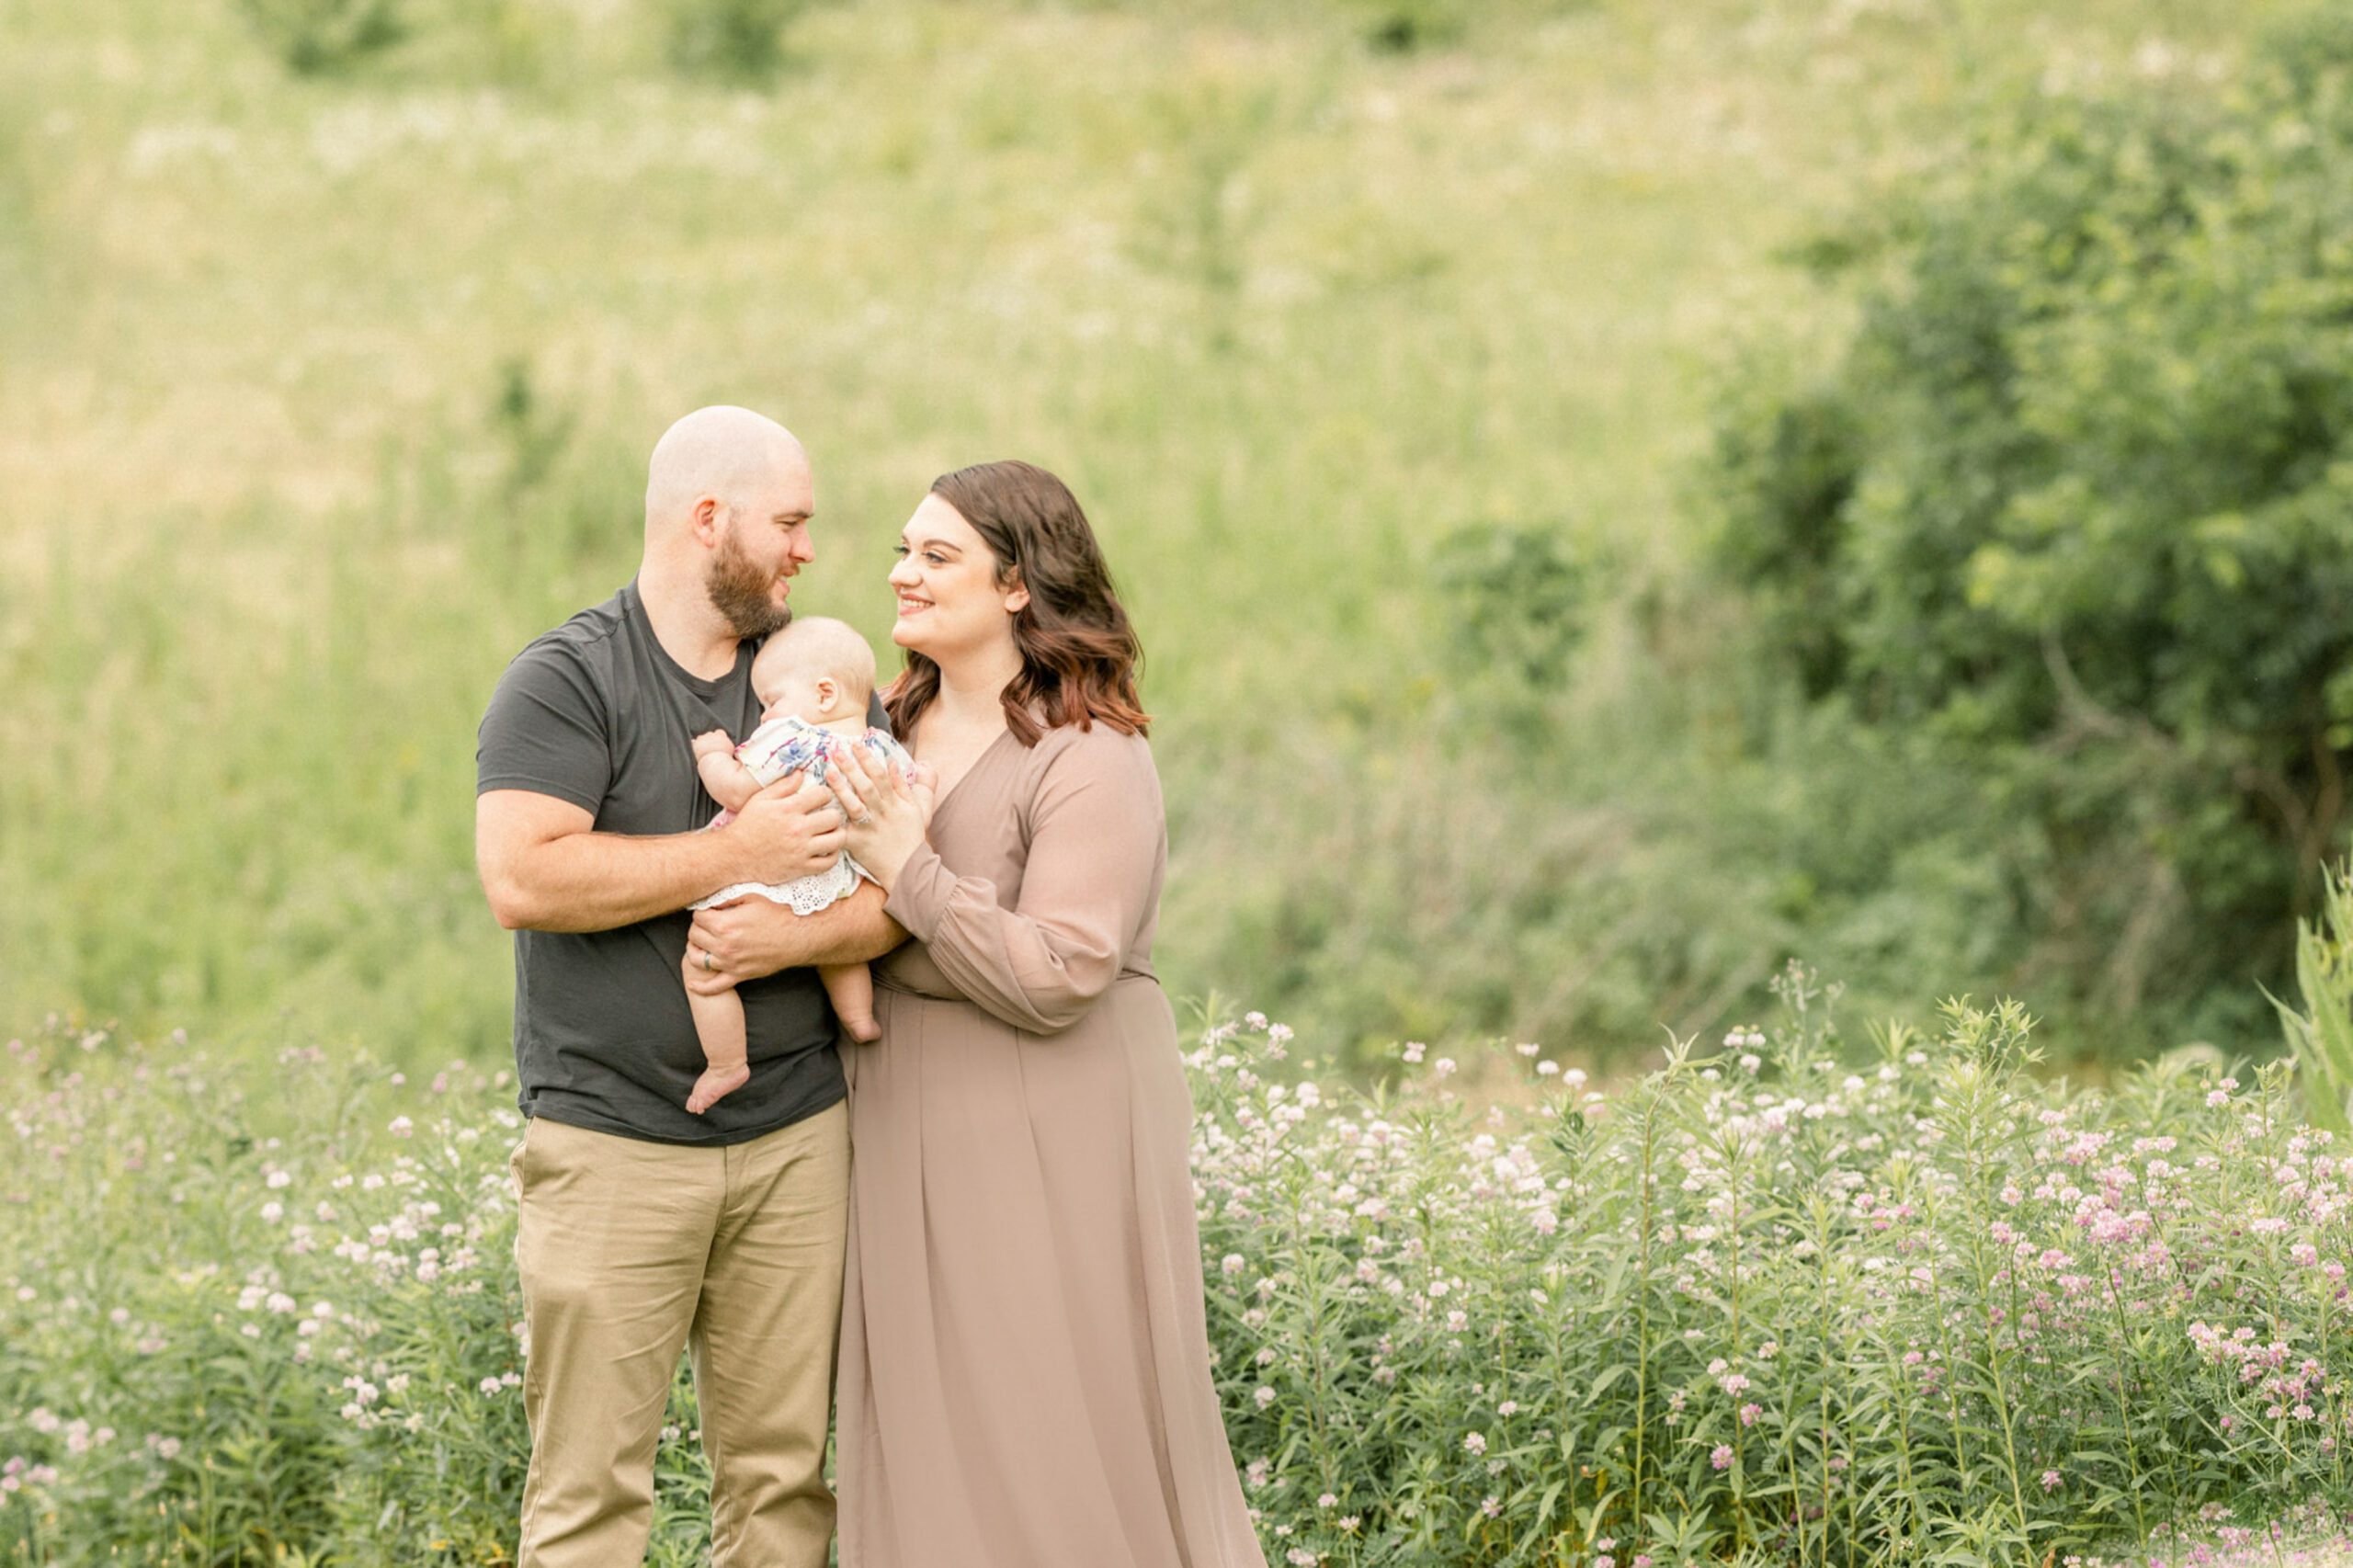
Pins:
x,y
813,679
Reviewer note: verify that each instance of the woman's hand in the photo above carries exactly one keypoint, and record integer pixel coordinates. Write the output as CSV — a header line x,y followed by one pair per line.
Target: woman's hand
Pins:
x,y
888,813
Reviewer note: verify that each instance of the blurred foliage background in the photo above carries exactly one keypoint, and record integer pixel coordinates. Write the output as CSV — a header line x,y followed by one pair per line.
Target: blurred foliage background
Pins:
x,y
1617,494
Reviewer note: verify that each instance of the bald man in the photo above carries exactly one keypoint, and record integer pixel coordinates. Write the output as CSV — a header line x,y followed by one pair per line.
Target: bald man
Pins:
x,y
645,1229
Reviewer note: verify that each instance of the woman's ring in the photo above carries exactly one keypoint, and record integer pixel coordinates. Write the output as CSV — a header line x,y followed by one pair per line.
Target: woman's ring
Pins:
x,y
866,821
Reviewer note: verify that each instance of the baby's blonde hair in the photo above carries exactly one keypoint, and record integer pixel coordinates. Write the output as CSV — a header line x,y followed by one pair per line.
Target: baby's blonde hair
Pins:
x,y
813,647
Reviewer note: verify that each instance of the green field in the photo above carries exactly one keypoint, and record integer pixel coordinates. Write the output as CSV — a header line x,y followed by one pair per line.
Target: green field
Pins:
x,y
321,395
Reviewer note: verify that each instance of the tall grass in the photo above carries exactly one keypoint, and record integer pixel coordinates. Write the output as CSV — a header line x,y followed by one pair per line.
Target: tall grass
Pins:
x,y
319,395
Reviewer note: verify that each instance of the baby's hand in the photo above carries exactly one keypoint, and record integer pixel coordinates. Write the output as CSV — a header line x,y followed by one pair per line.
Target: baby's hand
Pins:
x,y
714,743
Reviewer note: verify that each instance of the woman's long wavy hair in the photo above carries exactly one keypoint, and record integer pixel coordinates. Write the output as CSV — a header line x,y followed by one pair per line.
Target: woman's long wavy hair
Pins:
x,y
1078,652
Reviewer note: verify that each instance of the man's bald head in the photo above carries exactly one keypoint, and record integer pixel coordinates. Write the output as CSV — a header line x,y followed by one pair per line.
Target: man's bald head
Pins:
x,y
732,455
728,500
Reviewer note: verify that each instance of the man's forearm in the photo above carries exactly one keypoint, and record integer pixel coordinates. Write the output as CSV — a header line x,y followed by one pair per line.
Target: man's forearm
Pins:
x,y
753,936
852,931
595,881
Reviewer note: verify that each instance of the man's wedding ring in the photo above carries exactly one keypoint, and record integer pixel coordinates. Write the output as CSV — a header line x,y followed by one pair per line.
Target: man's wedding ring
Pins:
x,y
708,966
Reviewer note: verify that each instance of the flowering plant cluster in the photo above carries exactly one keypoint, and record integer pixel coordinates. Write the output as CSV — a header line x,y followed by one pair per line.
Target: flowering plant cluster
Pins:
x,y
251,1316
1774,1302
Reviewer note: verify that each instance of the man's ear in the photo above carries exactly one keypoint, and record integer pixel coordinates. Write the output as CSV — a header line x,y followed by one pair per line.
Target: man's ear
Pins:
x,y
707,520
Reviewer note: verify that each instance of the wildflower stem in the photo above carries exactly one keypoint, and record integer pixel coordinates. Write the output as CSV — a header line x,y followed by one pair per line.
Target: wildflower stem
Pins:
x,y
1731,1148
2126,1377
1981,1165
1646,1204
1900,1381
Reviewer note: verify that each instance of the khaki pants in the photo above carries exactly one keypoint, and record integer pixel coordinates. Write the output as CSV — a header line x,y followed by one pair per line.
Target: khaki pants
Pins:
x,y
628,1251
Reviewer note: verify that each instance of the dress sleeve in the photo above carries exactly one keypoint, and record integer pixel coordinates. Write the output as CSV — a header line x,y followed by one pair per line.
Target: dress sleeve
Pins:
x,y
1095,840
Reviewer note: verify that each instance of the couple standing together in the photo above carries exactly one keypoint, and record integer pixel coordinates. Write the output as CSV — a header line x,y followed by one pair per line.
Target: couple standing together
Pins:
x,y
1006,1273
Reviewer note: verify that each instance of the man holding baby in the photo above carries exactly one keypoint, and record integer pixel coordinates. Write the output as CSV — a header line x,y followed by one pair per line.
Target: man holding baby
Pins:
x,y
645,1227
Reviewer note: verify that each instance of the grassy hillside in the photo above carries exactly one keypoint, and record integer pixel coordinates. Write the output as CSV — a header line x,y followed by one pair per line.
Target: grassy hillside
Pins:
x,y
319,396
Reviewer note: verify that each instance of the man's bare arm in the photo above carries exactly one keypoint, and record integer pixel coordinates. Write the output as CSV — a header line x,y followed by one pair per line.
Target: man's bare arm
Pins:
x,y
753,936
544,868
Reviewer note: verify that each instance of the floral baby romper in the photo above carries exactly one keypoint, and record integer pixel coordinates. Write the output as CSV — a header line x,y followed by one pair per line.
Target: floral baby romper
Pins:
x,y
790,744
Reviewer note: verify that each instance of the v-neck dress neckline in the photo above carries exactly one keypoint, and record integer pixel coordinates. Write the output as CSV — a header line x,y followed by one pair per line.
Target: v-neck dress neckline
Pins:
x,y
953,790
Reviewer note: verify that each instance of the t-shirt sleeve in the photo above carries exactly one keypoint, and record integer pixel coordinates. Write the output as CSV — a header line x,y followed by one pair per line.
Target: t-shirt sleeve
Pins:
x,y
877,716
546,731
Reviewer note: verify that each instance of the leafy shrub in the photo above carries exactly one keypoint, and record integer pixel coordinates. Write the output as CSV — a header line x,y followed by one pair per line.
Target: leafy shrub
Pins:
x,y
533,435
1517,599
740,42
2071,501
1767,1303
1402,26
318,37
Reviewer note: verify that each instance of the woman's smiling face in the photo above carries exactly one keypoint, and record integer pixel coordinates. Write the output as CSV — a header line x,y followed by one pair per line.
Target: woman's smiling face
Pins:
x,y
950,602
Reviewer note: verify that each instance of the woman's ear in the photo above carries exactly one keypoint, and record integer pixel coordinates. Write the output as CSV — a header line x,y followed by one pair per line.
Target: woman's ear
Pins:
x,y
1017,593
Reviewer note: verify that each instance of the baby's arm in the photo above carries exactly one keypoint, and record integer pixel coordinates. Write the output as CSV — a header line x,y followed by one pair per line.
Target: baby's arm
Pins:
x,y
730,782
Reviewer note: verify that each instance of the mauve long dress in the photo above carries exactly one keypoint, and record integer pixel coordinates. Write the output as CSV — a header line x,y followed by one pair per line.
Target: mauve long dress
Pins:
x,y
1025,1361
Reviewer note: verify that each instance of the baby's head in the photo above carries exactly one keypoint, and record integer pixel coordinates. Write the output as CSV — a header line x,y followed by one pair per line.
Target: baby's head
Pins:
x,y
816,669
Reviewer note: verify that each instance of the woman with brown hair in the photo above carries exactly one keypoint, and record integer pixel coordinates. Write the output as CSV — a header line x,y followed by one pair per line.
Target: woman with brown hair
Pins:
x,y
1024,1363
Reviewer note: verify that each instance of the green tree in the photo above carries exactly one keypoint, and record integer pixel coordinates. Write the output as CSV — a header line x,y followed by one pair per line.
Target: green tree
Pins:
x,y
2077,498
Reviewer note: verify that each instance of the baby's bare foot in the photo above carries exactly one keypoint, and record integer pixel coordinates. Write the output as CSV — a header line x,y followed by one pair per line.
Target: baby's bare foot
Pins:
x,y
715,1085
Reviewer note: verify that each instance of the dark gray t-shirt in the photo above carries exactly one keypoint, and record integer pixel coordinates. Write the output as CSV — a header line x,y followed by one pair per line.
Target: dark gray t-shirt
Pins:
x,y
596,713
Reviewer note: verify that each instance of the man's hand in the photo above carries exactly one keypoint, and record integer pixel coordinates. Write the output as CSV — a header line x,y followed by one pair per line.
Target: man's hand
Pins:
x,y
790,830
747,938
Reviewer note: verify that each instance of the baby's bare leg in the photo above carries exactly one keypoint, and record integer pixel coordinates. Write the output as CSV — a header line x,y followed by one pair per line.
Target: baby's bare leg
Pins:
x,y
852,991
719,1024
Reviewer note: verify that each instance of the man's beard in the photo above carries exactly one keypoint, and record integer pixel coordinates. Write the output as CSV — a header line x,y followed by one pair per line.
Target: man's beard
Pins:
x,y
739,592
